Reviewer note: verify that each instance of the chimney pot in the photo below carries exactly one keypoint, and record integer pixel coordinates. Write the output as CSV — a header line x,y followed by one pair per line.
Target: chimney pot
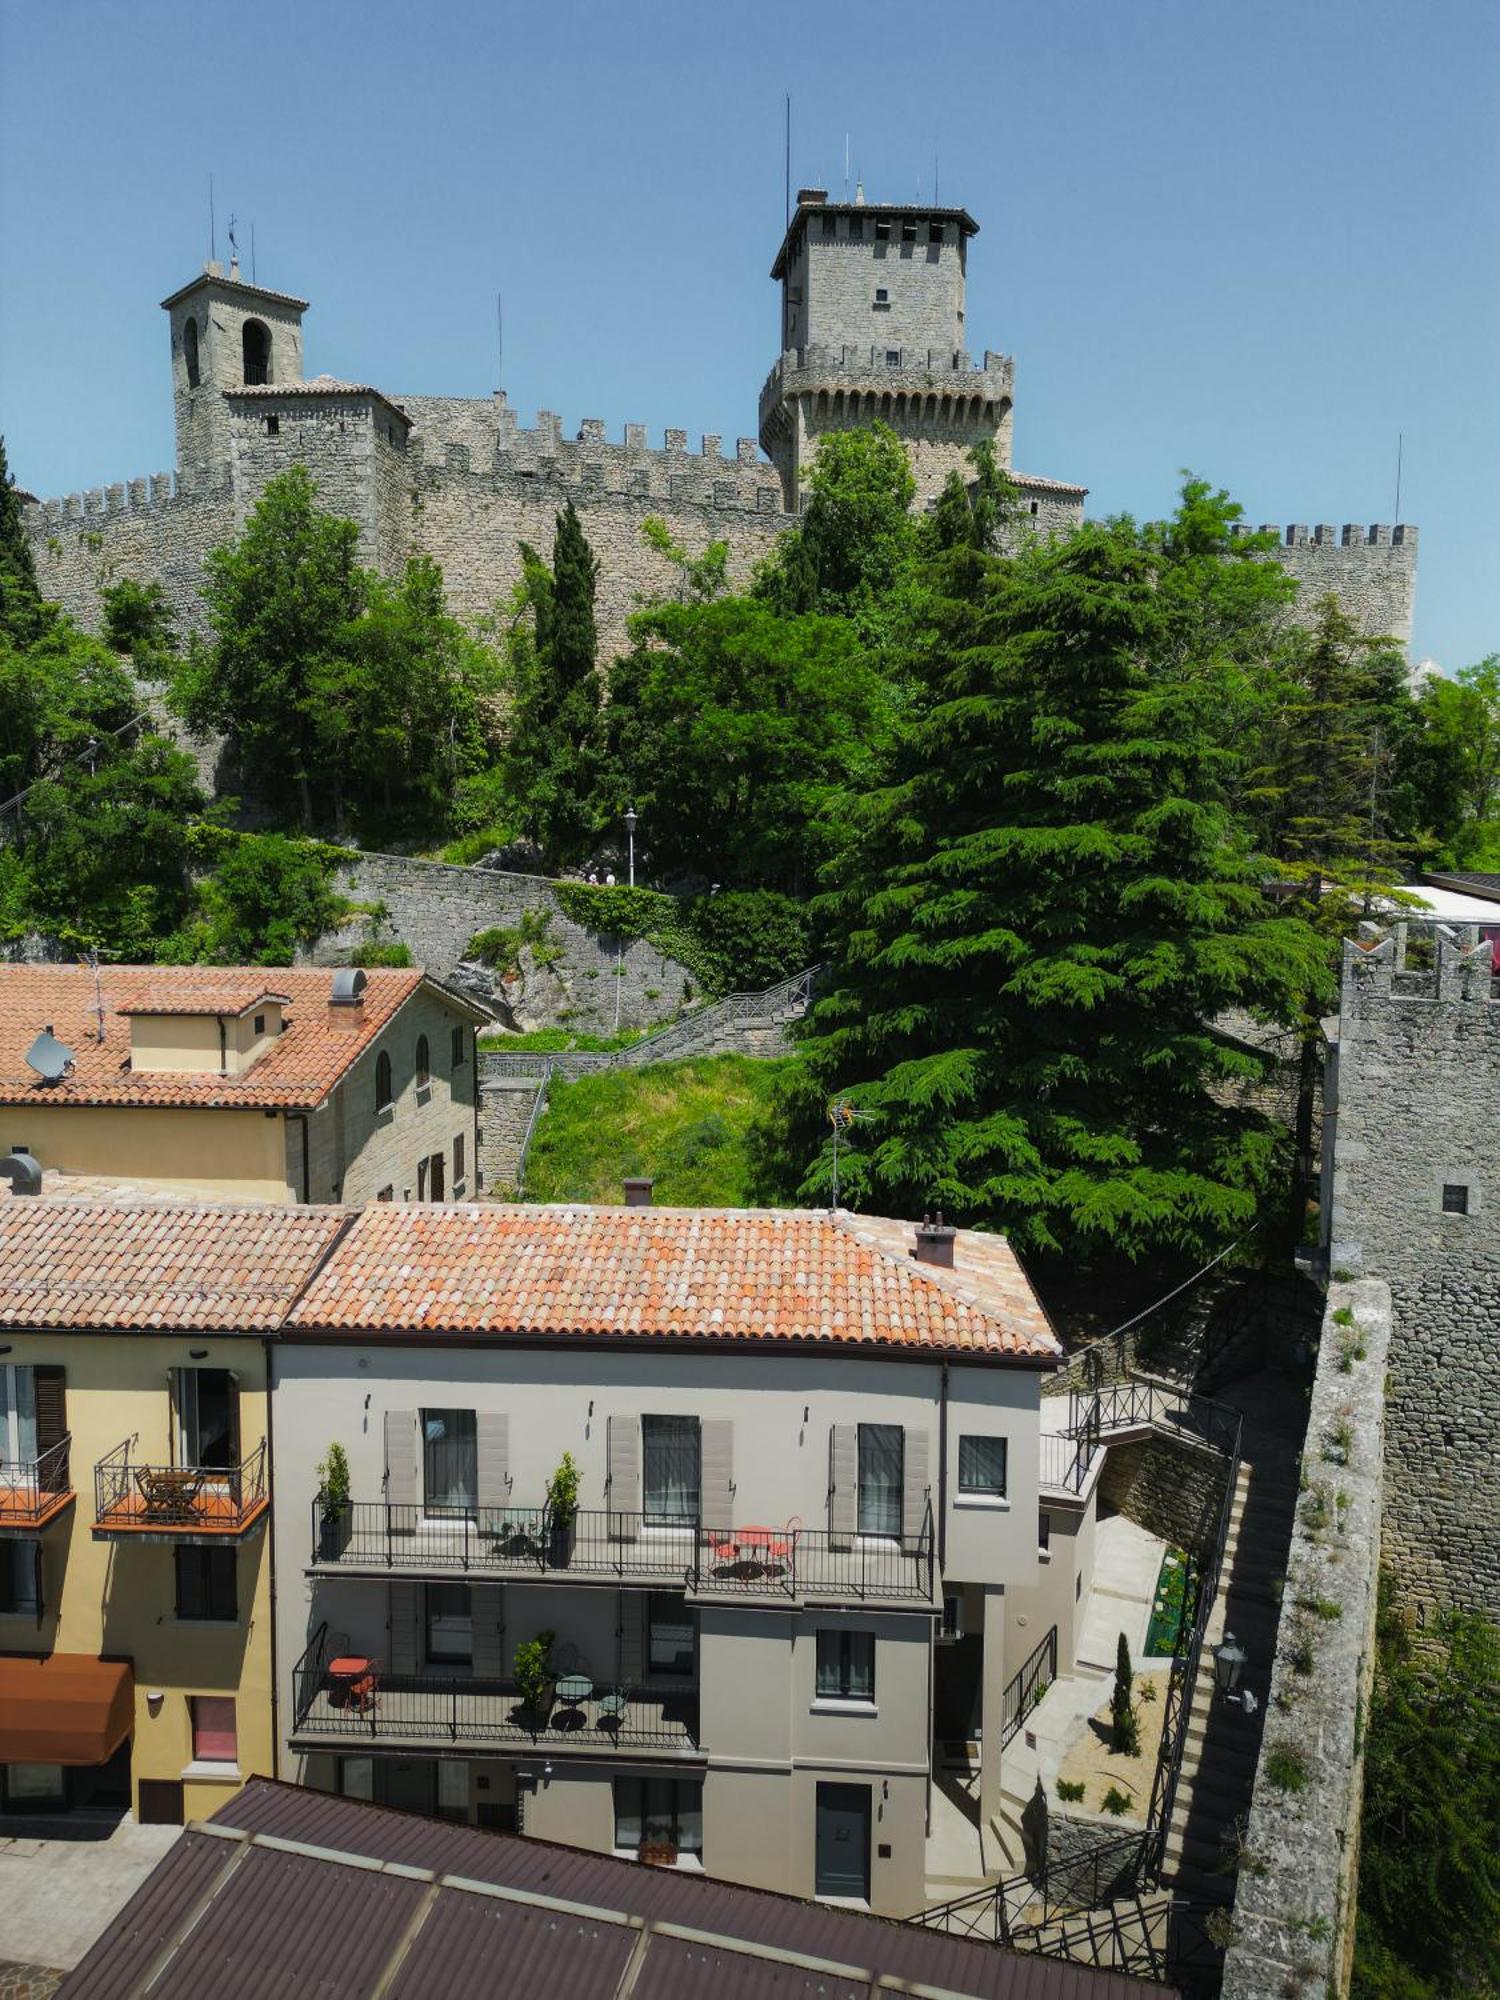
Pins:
x,y
811,197
935,1242
638,1192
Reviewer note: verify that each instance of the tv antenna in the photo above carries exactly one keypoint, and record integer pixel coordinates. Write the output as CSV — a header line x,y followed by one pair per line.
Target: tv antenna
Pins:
x,y
1400,441
500,340
842,1116
92,961
788,159
213,234
50,1058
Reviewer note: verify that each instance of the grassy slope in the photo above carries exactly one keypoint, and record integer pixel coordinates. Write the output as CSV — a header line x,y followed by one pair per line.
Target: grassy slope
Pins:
x,y
684,1123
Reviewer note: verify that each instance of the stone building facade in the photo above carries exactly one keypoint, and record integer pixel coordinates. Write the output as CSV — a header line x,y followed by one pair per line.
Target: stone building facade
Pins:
x,y
873,306
1412,1196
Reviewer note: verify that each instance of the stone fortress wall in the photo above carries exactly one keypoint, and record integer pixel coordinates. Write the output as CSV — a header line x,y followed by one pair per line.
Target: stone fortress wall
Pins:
x,y
1372,571
1412,1194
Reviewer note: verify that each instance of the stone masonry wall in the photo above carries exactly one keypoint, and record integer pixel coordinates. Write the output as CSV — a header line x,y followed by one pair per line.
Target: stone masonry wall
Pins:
x,y
1416,1108
1294,1900
1372,571
1169,1485
155,530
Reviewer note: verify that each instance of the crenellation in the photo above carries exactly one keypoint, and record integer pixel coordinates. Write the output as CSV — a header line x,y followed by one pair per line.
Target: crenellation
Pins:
x,y
675,441
712,447
635,437
115,498
591,431
140,493
747,451
1296,535
1325,536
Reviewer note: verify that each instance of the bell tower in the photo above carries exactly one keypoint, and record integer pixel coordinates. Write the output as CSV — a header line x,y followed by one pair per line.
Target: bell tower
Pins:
x,y
872,327
225,334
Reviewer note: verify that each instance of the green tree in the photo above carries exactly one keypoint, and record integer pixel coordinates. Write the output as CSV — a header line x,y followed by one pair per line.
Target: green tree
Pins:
x,y
856,536
1125,1728
19,597
1050,903
140,622
266,895
1454,765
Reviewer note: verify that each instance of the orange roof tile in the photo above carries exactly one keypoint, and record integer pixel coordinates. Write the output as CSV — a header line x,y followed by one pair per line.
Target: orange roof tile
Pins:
x,y
727,1274
145,1266
181,996
318,1044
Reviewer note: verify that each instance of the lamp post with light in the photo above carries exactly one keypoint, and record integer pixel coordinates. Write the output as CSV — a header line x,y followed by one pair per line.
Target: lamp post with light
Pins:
x,y
631,817
1229,1665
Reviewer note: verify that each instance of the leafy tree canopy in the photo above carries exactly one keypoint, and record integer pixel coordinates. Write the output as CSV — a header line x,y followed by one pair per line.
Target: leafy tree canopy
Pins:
x,y
856,536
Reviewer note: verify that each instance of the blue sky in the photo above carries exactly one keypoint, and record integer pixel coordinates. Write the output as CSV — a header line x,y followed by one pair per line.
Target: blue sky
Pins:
x,y
1259,241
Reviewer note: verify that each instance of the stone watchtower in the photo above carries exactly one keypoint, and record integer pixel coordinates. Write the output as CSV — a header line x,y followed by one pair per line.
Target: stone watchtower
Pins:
x,y
872,326
225,334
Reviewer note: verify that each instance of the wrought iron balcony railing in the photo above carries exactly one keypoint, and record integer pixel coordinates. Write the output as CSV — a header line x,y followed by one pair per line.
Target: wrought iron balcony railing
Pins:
x,y
35,1491
178,1502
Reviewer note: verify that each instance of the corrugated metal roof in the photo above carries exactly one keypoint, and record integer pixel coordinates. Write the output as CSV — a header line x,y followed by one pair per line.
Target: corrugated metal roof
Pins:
x,y
316,1911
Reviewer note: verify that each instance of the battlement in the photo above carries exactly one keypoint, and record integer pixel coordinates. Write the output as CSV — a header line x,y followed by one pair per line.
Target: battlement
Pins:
x,y
1378,966
897,370
159,493
1353,535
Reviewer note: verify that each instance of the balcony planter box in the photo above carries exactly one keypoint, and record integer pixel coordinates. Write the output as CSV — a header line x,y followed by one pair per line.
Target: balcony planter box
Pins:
x,y
535,1716
659,1853
333,1534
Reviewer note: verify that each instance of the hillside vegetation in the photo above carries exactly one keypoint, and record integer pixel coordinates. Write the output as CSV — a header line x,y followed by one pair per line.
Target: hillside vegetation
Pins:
x,y
686,1124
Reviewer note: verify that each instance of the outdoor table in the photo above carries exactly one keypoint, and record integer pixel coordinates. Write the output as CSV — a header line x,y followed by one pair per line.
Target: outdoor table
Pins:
x,y
573,1690
346,1673
169,1491
762,1544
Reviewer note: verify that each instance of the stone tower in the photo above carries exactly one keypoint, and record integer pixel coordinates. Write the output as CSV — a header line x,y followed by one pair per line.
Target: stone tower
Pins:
x,y
225,334
872,326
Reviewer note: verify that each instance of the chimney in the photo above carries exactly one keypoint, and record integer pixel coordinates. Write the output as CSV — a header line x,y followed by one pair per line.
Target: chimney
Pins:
x,y
811,197
22,1171
638,1192
934,1242
348,989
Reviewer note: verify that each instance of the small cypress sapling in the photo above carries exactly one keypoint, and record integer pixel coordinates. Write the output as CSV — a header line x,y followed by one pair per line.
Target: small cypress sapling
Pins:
x,y
1125,1729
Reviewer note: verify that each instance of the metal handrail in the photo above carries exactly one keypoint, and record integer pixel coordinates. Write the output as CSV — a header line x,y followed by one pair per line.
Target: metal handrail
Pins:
x,y
1027,1687
226,1494
28,1484
423,1708
308,1672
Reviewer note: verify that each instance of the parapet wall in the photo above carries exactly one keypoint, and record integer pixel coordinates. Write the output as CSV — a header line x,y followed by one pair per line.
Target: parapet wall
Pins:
x,y
1371,570
158,529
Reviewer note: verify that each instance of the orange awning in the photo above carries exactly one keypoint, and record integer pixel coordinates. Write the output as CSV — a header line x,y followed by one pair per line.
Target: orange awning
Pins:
x,y
66,1709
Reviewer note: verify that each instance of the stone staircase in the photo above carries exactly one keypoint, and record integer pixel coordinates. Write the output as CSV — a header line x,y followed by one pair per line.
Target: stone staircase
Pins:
x,y
1222,1742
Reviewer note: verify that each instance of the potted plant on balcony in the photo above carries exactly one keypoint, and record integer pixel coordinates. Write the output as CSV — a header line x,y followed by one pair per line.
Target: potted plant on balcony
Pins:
x,y
562,1511
534,1678
333,1504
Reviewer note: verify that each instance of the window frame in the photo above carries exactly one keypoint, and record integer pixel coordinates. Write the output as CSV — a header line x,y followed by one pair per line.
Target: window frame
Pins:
x,y
458,1160
665,1608
968,1488
841,1643
432,1616
385,1093
208,1569
421,1063
686,1804
464,1439
199,1725
661,1517
458,1048
864,1486
23,1591
1460,1205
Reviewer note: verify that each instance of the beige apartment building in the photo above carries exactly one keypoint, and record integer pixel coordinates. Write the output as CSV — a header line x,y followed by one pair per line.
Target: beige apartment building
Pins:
x,y
242,1084
804,1530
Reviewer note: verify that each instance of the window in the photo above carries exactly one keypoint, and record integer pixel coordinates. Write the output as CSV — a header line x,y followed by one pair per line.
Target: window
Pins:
x,y
659,1812
934,232
382,1081
908,231
214,1740
882,229
255,346
458,1161
435,1170
830,228
387,1193
951,1624
421,1180
880,1466
423,1063
1044,1529
18,1445
1036,506
846,1666
882,296
273,427
190,351
670,1458
1455,1198
207,1418
669,1634
260,1024
458,1053
450,1461
893,357
450,1625
856,229
21,1579
206,1584
981,1466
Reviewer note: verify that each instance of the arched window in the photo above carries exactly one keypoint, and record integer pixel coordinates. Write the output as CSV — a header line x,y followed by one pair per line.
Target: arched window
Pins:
x,y
256,342
424,1063
190,351
382,1081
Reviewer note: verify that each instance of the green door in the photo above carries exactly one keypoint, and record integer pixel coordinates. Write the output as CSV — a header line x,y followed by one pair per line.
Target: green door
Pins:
x,y
843,1843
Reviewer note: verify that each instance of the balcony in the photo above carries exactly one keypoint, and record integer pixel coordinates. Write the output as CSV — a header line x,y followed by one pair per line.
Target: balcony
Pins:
x,y
791,1564
178,1503
35,1492
436,1711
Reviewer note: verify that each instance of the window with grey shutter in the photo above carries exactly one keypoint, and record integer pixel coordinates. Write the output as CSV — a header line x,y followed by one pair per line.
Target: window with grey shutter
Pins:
x,y
493,1449
717,1442
624,1485
51,1424
843,1479
401,1469
405,1627
488,1608
914,1487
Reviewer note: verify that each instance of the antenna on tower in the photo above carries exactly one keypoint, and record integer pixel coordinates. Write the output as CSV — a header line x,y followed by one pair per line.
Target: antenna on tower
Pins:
x,y
789,159
1400,441
213,234
234,248
500,340
252,253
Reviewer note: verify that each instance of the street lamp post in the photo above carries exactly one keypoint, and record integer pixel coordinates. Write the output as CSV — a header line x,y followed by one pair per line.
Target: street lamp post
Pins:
x,y
630,826
1229,1665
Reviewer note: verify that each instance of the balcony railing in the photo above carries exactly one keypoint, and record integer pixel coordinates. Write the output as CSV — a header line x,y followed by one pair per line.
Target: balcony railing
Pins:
x,y
34,1491
1065,1462
178,1502
785,1563
435,1710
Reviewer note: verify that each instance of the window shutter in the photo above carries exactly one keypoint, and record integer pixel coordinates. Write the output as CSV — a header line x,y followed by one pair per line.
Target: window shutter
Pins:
x,y
632,1637
717,1444
176,1405
843,1479
406,1627
624,1495
39,1574
401,1458
492,1455
914,1488
487,1610
235,1434
52,1422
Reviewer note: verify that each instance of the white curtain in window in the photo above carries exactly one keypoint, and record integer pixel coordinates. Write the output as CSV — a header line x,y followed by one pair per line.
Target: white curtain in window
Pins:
x,y
880,1479
450,1460
17,1419
669,1449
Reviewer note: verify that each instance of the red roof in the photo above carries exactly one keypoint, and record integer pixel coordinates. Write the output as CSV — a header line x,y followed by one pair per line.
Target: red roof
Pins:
x,y
661,1273
318,1043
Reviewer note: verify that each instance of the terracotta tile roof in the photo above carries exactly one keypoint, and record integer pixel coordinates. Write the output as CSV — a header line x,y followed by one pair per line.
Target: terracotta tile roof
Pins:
x,y
729,1274
236,284
316,385
1036,482
318,1044
183,997
147,1265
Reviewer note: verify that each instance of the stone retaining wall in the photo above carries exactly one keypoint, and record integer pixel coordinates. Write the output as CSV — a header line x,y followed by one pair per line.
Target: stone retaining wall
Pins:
x,y
1170,1485
1295,1901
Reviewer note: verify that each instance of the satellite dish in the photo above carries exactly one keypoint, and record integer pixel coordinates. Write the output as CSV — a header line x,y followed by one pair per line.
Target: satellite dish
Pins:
x,y
50,1058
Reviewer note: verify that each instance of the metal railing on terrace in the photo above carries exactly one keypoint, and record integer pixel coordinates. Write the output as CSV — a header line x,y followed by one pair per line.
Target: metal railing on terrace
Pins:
x,y
789,1562
33,1490
1027,1687
177,1500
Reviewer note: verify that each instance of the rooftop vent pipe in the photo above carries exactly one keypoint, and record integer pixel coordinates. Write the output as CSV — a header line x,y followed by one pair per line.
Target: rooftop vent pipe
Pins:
x,y
638,1193
348,987
23,1172
935,1242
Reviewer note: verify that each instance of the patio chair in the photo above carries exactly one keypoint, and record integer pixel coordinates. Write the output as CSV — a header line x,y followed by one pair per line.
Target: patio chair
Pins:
x,y
170,1493
615,1706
